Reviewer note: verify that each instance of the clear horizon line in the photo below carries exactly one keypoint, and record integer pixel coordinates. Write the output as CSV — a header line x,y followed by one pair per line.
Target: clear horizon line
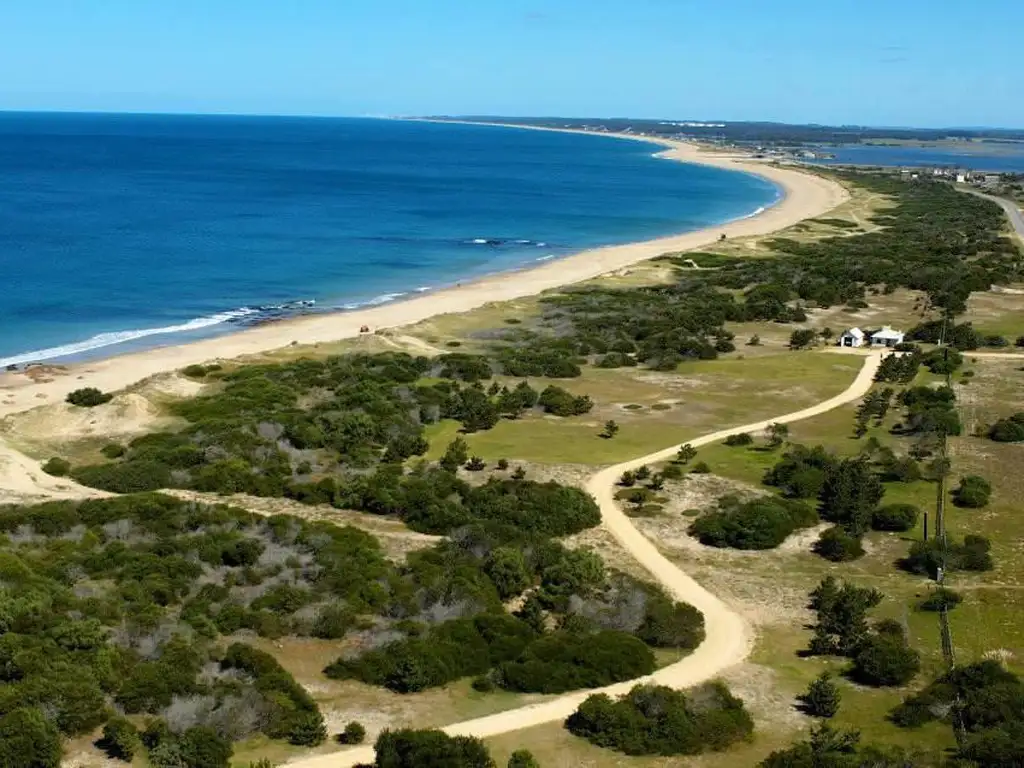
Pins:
x,y
340,116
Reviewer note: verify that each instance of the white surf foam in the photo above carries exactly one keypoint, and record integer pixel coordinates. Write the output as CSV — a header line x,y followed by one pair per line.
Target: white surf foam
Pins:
x,y
119,337
384,298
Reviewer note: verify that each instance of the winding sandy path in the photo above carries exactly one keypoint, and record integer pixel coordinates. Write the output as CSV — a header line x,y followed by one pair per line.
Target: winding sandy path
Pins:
x,y
728,640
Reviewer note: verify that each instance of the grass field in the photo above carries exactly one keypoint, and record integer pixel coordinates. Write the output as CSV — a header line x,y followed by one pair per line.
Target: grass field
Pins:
x,y
656,410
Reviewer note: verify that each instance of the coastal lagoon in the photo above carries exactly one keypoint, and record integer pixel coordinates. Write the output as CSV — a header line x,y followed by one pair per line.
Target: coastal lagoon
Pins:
x,y
119,232
1001,158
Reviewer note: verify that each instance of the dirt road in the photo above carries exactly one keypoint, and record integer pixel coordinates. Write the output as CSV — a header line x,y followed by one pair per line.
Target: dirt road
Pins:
x,y
728,637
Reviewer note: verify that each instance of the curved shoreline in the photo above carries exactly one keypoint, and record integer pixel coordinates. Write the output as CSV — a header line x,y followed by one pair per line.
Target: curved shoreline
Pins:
x,y
804,196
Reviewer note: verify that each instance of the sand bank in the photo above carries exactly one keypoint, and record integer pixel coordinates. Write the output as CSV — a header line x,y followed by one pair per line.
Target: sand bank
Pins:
x,y
805,196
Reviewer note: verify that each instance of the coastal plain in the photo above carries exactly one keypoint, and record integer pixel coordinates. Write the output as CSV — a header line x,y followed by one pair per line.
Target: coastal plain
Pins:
x,y
761,596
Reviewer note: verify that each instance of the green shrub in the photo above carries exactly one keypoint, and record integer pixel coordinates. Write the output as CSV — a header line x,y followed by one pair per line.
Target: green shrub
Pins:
x,y
354,733
113,450
821,699
57,467
743,438
120,739
655,720
943,361
800,473
564,661
454,649
700,468
671,625
409,748
762,523
559,402
28,739
885,662
292,713
522,758
200,371
838,546
1009,430
88,397
941,599
973,492
332,621
895,517
926,557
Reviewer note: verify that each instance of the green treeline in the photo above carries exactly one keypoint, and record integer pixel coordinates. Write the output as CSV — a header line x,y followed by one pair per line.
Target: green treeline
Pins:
x,y
933,239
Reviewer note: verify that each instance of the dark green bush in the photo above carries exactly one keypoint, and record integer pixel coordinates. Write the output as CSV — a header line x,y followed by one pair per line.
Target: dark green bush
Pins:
x,y
800,473
113,450
564,661
821,699
940,599
449,651
671,625
354,733
28,740
885,661
838,546
926,557
57,467
655,720
973,492
120,739
409,748
895,517
559,402
1008,430
762,523
88,397
522,758
743,438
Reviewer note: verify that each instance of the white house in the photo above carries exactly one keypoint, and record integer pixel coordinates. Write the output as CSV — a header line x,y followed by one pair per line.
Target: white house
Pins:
x,y
887,337
852,337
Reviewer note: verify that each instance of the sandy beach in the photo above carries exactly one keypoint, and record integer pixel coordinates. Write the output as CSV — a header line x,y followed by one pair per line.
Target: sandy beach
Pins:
x,y
805,196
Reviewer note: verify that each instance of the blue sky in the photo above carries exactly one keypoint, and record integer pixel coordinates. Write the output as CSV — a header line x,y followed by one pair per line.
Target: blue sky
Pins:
x,y
897,62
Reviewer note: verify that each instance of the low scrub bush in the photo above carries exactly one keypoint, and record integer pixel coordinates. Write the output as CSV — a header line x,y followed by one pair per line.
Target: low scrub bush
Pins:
x,y
88,397
1008,430
838,546
973,492
895,517
564,661
762,523
655,720
57,467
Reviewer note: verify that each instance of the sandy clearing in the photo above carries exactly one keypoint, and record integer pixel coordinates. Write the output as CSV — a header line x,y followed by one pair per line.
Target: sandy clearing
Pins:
x,y
729,637
806,196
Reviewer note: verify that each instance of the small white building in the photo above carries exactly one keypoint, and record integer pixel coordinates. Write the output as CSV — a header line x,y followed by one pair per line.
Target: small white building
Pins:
x,y
852,337
887,337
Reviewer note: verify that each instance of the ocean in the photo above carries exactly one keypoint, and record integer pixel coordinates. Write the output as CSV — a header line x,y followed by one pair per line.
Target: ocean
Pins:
x,y
121,232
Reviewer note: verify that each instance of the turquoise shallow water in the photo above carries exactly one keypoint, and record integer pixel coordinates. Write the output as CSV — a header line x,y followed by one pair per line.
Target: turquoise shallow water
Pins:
x,y
126,231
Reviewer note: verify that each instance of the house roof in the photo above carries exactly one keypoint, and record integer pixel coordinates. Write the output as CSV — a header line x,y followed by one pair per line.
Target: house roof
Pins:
x,y
855,332
887,333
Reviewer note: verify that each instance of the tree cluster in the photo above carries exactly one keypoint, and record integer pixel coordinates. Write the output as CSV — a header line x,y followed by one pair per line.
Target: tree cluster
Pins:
x,y
880,654
985,700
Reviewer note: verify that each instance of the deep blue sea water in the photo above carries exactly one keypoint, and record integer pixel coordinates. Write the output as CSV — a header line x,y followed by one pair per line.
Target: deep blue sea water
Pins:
x,y
1007,159
124,231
